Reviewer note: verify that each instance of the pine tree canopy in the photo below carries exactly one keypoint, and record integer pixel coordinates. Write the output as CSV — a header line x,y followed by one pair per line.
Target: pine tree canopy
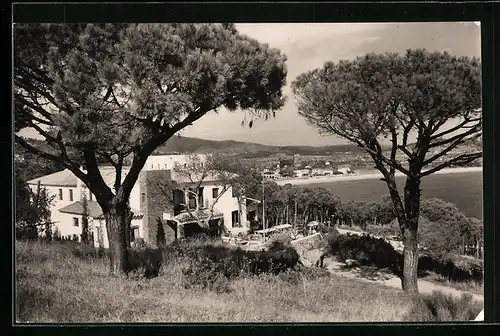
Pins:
x,y
114,90
394,96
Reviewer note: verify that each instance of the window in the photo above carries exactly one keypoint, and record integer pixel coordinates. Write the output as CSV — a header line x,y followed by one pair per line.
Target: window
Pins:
x,y
60,194
152,166
235,217
134,234
215,192
71,195
91,197
76,221
143,197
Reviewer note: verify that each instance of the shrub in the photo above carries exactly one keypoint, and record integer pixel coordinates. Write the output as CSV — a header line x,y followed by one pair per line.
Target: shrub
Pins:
x,y
86,251
452,268
383,230
441,307
322,228
207,274
279,241
145,261
366,250
209,262
139,243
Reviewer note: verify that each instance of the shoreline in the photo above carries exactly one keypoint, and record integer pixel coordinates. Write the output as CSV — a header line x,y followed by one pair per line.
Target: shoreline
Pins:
x,y
365,176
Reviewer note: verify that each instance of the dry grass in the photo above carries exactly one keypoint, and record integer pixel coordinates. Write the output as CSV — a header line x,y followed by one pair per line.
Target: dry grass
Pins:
x,y
468,286
54,286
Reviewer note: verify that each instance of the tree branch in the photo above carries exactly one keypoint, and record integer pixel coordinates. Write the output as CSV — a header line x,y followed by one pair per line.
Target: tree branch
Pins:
x,y
456,128
69,165
38,109
102,191
394,149
461,159
459,137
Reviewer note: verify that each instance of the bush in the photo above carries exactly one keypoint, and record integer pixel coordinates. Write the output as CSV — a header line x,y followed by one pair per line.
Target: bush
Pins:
x,y
209,262
366,250
452,268
86,251
145,261
322,228
279,241
383,230
207,275
139,243
438,307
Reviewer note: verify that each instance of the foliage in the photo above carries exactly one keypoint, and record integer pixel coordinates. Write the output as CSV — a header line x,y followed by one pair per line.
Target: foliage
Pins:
x,y
160,233
439,307
451,268
85,220
32,211
444,228
279,241
366,250
209,261
30,166
145,261
86,251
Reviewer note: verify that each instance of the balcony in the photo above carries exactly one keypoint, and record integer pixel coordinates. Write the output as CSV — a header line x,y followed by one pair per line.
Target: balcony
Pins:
x,y
180,208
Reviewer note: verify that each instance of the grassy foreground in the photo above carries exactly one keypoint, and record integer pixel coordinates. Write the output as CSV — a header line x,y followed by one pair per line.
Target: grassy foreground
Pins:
x,y
54,286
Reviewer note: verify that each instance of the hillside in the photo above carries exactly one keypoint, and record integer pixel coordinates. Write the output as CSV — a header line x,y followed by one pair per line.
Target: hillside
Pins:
x,y
195,145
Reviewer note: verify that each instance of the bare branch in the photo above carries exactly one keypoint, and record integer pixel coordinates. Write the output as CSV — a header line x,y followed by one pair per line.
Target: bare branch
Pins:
x,y
61,159
461,159
456,128
394,149
473,129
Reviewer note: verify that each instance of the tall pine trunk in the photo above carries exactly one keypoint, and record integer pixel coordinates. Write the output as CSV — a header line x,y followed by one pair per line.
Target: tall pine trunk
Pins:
x,y
410,244
118,219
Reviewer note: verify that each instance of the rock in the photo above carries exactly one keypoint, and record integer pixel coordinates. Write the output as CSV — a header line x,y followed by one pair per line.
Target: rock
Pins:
x,y
351,262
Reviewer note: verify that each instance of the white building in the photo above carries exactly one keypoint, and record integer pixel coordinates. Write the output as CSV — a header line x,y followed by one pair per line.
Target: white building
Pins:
x,y
146,201
270,175
302,172
344,170
322,172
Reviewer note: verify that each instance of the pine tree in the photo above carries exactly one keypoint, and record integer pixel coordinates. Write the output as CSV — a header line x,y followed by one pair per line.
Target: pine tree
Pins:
x,y
108,92
395,97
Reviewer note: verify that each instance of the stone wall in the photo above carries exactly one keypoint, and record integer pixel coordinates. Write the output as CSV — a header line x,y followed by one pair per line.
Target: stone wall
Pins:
x,y
154,203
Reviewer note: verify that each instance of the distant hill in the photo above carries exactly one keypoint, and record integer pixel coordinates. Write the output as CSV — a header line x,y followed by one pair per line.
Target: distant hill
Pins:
x,y
179,144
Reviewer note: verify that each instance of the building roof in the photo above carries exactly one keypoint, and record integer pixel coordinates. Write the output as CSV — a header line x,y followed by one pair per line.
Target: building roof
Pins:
x,y
94,208
108,174
185,217
77,208
63,178
182,178
66,178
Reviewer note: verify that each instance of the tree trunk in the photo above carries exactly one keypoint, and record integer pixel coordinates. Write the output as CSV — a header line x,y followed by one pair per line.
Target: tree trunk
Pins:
x,y
118,220
410,225
410,263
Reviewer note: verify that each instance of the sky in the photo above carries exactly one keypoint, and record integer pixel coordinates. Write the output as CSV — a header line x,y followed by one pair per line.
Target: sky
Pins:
x,y
308,46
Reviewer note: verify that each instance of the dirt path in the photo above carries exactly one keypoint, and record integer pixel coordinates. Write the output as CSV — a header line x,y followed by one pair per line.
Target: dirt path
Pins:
x,y
374,275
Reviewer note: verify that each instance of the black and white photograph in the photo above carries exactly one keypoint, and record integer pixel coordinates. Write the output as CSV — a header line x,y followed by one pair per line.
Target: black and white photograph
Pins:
x,y
248,172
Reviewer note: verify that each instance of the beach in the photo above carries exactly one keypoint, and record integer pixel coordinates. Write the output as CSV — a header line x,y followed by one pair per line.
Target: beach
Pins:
x,y
365,176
